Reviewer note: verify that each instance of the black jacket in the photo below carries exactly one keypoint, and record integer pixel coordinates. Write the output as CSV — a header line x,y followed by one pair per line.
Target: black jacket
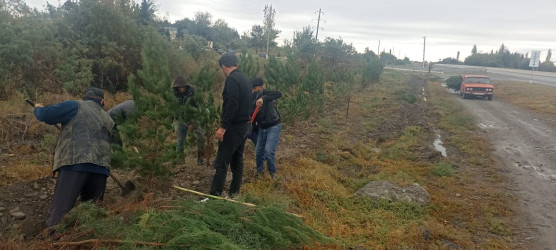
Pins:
x,y
187,96
186,103
236,97
268,115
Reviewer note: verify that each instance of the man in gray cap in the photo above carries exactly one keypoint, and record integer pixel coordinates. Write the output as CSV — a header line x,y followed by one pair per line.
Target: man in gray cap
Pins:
x,y
234,128
82,155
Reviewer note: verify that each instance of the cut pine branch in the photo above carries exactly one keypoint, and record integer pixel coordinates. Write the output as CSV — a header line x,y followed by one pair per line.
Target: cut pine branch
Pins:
x,y
107,242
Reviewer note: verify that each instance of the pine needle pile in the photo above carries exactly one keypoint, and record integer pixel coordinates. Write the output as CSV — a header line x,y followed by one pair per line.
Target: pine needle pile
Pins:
x,y
193,225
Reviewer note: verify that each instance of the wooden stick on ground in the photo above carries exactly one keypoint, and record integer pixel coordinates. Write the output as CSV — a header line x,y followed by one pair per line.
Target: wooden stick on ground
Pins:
x,y
226,199
213,196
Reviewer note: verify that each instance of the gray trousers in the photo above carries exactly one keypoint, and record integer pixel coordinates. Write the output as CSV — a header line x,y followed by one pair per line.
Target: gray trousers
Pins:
x,y
70,185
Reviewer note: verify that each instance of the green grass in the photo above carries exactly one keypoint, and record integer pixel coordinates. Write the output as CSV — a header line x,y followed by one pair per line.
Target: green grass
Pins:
x,y
443,169
404,147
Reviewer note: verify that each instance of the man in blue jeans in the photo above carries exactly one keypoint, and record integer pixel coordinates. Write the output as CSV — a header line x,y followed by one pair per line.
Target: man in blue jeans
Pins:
x,y
268,124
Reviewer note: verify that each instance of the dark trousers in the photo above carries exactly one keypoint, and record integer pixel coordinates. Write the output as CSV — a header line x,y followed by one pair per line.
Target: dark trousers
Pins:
x,y
254,135
69,186
230,152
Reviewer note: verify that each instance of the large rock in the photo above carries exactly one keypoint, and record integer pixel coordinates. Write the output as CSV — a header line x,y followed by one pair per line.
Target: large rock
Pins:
x,y
387,190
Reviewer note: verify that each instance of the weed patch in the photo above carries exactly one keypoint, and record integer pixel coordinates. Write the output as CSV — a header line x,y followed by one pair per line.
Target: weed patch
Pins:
x,y
443,169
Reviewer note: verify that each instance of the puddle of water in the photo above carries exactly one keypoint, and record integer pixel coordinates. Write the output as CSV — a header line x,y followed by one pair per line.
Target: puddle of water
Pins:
x,y
438,146
538,171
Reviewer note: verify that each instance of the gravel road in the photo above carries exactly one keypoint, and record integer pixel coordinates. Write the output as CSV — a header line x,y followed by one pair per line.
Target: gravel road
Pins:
x,y
525,144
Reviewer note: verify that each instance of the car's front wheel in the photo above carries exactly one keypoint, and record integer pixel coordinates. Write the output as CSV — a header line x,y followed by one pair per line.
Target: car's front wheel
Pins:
x,y
490,98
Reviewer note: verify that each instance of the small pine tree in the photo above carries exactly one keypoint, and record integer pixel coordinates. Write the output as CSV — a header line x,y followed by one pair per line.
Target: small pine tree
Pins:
x,y
146,131
285,78
248,64
208,112
312,85
372,70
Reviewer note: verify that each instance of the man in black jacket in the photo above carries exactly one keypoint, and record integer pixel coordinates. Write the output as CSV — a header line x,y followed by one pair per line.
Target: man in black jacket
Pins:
x,y
234,126
268,124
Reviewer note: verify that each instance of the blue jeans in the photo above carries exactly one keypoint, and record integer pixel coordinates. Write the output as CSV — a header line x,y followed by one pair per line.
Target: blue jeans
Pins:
x,y
266,148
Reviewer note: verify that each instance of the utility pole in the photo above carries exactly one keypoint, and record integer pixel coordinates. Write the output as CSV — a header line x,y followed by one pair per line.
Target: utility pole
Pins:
x,y
424,42
269,20
318,24
378,50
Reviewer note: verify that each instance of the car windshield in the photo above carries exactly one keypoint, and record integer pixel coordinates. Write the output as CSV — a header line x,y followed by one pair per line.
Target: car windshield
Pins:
x,y
477,80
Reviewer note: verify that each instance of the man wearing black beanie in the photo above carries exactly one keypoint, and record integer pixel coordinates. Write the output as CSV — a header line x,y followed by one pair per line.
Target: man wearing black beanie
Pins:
x,y
234,128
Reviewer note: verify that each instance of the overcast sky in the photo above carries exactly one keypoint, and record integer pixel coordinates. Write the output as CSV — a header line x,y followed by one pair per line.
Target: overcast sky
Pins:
x,y
400,25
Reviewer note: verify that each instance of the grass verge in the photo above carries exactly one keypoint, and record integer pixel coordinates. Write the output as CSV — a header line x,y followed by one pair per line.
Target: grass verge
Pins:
x,y
535,97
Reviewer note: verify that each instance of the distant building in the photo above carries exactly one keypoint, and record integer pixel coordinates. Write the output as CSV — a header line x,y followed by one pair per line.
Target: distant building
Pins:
x,y
172,31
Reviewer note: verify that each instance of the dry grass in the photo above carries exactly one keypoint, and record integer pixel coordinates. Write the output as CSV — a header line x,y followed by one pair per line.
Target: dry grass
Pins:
x,y
340,156
536,97
23,171
468,209
475,198
24,138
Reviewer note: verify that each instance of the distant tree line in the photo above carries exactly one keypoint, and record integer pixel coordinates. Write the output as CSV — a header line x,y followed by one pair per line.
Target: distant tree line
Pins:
x,y
120,45
98,43
502,58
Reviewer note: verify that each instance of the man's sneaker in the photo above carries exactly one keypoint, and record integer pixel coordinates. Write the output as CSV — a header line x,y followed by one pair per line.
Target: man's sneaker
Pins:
x,y
204,200
273,176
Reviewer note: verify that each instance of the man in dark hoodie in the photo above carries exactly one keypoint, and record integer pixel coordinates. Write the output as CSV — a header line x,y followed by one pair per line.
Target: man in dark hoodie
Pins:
x,y
82,155
185,93
234,128
268,124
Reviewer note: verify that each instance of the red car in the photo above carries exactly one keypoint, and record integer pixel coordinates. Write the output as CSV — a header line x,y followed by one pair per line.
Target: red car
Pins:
x,y
477,86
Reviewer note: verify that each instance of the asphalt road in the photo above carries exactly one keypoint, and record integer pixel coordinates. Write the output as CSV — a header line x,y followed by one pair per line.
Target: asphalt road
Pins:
x,y
496,74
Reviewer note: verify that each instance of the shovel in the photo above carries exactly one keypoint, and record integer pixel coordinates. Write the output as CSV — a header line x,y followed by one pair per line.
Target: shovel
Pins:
x,y
126,188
